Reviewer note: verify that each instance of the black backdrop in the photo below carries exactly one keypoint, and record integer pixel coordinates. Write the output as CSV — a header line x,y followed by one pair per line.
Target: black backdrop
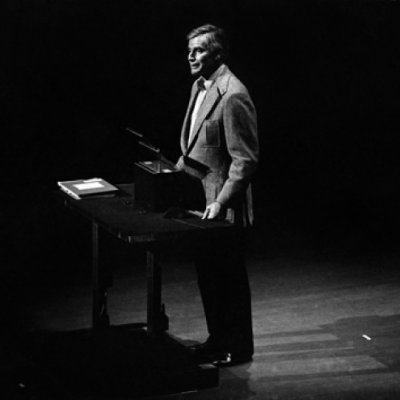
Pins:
x,y
323,76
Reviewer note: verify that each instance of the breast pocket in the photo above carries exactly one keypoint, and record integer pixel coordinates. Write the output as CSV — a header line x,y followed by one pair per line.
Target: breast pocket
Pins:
x,y
213,134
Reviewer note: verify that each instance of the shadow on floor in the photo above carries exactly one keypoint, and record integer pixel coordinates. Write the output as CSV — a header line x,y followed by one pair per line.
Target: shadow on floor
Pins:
x,y
118,361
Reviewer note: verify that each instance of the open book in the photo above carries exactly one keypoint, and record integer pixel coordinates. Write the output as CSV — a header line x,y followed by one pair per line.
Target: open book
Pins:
x,y
83,188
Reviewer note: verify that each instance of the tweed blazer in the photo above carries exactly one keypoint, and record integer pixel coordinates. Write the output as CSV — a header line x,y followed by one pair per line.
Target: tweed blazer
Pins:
x,y
225,139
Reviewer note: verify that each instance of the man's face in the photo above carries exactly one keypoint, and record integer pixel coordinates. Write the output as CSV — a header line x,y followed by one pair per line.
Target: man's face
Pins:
x,y
202,61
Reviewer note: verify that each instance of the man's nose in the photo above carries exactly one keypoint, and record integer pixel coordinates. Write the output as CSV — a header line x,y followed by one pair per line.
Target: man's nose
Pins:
x,y
191,56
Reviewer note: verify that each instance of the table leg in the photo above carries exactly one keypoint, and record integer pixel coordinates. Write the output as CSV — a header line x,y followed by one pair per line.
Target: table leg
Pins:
x,y
157,320
99,308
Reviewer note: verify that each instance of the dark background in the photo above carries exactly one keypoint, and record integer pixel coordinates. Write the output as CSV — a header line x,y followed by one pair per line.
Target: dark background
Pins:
x,y
324,76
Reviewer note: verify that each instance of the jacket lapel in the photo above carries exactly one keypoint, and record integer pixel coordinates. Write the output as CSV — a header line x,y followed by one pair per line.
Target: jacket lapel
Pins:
x,y
213,96
186,121
211,99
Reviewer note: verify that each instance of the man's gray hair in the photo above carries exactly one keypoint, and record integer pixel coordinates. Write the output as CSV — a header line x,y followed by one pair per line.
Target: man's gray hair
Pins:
x,y
216,39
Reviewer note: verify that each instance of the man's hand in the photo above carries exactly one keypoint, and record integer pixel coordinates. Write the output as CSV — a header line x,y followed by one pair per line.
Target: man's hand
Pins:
x,y
212,211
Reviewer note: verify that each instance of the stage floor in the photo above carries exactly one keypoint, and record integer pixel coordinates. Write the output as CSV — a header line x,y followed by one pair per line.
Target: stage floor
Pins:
x,y
326,327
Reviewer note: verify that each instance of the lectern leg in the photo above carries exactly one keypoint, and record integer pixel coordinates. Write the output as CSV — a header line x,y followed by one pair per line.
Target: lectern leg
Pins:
x,y
157,320
99,308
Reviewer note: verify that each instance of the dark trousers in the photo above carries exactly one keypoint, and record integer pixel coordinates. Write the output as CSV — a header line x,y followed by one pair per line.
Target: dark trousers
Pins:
x,y
225,292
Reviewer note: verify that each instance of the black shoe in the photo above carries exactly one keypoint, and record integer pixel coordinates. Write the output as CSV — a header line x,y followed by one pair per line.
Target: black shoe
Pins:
x,y
231,359
210,353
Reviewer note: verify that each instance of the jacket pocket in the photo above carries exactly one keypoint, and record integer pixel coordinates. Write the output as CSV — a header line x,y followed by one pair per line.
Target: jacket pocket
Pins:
x,y
213,135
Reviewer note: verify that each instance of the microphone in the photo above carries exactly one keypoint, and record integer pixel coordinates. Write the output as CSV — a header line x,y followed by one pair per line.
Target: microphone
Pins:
x,y
137,134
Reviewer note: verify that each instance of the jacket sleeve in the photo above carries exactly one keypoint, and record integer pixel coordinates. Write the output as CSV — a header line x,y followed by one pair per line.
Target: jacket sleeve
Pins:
x,y
240,127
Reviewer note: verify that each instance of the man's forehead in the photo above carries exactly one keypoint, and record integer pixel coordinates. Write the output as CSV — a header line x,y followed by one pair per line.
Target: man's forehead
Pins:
x,y
199,41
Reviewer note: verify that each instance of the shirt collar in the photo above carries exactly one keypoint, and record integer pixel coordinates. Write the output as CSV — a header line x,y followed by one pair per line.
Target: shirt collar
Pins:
x,y
205,84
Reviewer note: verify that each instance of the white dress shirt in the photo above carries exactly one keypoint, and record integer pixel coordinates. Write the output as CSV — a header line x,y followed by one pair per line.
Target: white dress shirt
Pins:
x,y
203,86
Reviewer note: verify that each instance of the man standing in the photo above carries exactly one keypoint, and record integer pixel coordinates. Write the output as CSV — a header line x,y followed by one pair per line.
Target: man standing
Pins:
x,y
220,131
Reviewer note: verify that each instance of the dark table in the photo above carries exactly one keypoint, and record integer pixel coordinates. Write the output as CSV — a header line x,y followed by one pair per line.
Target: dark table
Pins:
x,y
135,359
119,216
